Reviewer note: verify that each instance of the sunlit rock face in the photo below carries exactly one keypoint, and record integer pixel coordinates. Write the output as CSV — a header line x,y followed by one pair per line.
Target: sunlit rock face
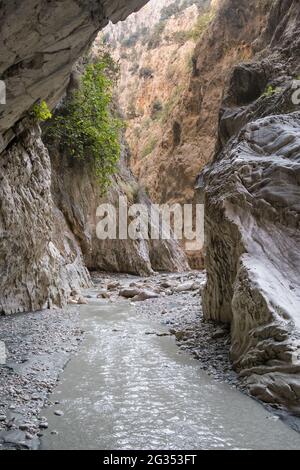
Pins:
x,y
253,212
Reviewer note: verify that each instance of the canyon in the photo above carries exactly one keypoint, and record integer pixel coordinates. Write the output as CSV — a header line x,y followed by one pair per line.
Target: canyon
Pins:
x,y
210,96
51,240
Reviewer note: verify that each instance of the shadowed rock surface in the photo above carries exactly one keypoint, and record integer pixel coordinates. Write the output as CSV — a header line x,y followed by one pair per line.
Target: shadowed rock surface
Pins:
x,y
77,195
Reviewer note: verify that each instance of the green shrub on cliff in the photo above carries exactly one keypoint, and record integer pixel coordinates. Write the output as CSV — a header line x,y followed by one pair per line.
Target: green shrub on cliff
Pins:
x,y
41,111
270,91
86,128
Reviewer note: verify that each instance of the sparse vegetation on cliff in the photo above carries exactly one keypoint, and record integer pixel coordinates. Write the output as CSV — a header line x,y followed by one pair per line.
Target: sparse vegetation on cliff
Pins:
x,y
198,30
41,111
270,91
86,126
202,24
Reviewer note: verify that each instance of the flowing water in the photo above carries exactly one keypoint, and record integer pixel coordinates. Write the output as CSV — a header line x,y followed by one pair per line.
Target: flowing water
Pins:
x,y
126,389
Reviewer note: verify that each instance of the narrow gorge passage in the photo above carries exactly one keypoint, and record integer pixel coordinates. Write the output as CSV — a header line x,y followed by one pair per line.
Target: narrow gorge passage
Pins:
x,y
149,225
130,387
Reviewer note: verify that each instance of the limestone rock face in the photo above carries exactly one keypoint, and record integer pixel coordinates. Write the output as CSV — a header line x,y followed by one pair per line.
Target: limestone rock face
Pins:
x,y
77,195
39,43
173,111
252,215
39,262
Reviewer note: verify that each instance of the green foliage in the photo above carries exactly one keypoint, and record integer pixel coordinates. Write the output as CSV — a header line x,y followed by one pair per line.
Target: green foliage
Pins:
x,y
131,40
201,26
86,128
141,34
41,111
149,147
134,68
137,132
175,8
270,91
181,37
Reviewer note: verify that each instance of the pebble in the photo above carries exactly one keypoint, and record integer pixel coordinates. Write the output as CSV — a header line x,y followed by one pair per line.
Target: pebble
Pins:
x,y
35,396
24,427
44,425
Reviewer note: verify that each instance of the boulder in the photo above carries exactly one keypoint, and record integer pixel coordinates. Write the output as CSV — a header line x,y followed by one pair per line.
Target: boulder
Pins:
x,y
129,292
145,295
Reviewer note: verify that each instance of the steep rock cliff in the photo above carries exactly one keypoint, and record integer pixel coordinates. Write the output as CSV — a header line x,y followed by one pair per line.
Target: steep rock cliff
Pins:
x,y
77,194
48,205
40,261
173,113
252,213
39,43
39,265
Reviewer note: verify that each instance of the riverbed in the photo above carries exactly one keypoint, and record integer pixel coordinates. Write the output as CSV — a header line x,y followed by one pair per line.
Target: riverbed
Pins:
x,y
130,387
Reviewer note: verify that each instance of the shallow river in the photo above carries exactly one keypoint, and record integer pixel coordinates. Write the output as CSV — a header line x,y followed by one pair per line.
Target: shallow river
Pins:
x,y
126,389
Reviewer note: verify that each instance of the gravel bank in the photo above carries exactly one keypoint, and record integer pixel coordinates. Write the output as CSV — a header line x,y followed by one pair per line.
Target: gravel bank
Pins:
x,y
38,346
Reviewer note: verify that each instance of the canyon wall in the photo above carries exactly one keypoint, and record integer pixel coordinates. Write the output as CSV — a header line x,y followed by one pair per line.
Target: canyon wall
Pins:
x,y
171,88
41,258
77,195
252,211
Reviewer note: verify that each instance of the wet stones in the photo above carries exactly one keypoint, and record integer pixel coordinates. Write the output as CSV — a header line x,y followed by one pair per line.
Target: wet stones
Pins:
x,y
144,295
77,299
25,384
190,285
129,292
180,311
103,294
44,425
113,285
